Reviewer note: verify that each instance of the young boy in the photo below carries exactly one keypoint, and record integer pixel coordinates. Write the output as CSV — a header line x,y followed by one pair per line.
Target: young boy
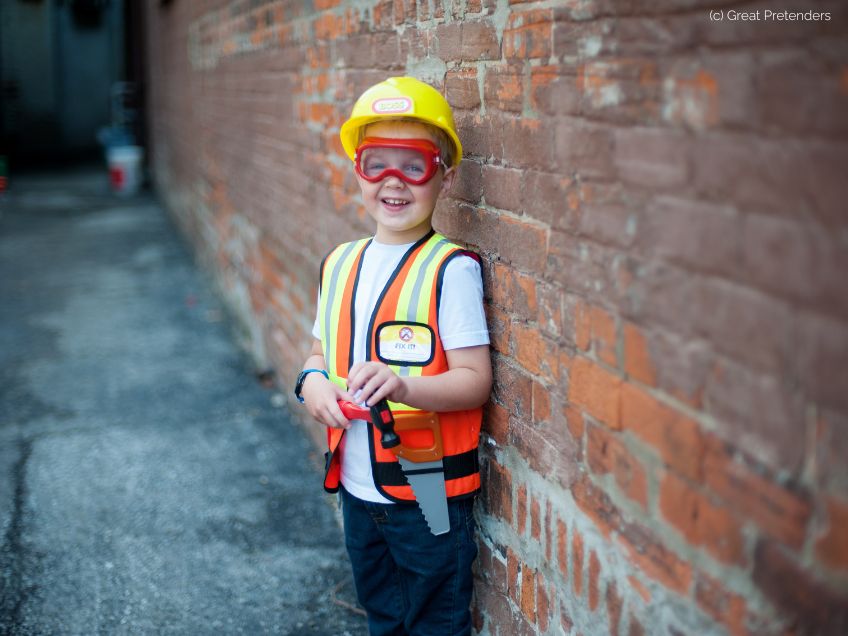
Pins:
x,y
400,316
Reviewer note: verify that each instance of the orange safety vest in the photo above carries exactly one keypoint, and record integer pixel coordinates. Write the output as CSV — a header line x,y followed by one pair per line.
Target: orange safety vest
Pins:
x,y
403,332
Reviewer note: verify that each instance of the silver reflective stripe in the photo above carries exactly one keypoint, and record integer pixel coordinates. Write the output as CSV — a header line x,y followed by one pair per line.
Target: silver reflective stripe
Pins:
x,y
412,309
331,300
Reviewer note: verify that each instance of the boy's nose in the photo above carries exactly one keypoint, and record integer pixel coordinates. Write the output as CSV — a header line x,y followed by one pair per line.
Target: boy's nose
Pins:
x,y
394,181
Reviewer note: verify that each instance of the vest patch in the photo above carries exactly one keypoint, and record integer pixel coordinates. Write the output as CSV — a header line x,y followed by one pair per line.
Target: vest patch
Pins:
x,y
405,343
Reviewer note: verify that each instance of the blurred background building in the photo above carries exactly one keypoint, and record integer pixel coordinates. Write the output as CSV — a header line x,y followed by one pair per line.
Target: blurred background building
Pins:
x,y
70,71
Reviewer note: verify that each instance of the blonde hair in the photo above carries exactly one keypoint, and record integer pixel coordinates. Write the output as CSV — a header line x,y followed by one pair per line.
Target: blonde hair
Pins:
x,y
438,136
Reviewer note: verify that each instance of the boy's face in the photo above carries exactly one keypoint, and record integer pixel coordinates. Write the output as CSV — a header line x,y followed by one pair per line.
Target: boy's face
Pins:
x,y
402,211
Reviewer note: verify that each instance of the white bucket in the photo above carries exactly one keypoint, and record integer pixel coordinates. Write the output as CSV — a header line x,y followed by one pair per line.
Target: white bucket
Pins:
x,y
125,169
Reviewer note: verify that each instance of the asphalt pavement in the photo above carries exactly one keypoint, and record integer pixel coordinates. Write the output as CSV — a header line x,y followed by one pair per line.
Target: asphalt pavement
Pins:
x,y
148,482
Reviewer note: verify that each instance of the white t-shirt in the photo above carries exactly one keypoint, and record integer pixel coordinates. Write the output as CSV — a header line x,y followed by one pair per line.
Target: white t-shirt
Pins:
x,y
462,323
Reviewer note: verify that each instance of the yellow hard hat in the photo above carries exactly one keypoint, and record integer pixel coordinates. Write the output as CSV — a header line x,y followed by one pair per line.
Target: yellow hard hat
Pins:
x,y
404,97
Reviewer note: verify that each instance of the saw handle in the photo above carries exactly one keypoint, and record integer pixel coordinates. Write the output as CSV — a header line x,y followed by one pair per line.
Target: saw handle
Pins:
x,y
380,415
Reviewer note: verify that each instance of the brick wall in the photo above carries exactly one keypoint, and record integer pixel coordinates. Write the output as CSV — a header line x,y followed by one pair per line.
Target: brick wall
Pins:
x,y
660,202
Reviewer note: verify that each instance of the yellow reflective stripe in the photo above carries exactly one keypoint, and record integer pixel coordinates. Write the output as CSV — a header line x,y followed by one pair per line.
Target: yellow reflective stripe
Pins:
x,y
429,282
410,299
416,294
337,271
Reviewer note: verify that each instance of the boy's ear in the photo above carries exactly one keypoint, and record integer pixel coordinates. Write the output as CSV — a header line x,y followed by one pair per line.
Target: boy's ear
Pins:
x,y
447,179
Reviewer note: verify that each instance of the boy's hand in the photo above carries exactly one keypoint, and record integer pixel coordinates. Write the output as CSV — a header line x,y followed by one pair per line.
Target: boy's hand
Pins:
x,y
321,399
376,381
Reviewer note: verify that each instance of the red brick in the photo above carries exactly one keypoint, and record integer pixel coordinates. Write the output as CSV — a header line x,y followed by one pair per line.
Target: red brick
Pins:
x,y
758,412
795,93
514,291
701,522
584,149
496,423
528,34
723,605
527,143
522,243
500,327
565,619
822,348
604,335
595,503
640,588
691,98
494,606
636,628
528,593
614,603
784,255
832,545
595,390
581,266
830,448
610,224
478,134
405,11
605,453
695,234
755,174
621,90
461,88
550,311
543,603
555,93
513,389
499,578
577,561
513,574
467,41
469,183
502,187
582,326
780,512
637,357
504,88
328,26
547,447
521,510
676,437
498,491
651,158
536,354
535,519
543,194
562,547
810,605
574,419
594,583
651,556
542,95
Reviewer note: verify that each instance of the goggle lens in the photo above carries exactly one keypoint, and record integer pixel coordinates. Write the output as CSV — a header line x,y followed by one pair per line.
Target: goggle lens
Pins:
x,y
414,161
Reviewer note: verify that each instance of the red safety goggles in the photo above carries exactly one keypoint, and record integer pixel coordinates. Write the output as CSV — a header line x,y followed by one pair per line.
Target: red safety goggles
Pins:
x,y
414,161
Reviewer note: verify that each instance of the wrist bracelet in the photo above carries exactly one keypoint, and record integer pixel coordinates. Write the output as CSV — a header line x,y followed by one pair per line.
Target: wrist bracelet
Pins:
x,y
298,386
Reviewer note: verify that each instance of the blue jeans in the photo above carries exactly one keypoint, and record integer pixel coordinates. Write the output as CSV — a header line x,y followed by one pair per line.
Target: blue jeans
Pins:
x,y
409,581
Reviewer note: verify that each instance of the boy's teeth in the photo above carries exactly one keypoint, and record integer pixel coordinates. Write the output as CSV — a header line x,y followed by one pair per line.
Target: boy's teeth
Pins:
x,y
394,201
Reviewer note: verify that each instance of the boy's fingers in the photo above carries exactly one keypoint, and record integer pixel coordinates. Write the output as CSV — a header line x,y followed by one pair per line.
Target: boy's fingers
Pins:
x,y
336,417
358,378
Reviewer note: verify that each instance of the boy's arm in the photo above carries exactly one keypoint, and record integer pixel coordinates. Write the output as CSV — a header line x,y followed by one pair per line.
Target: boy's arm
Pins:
x,y
465,385
319,394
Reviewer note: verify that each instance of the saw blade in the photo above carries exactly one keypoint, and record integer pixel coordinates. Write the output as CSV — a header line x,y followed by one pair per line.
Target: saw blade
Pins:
x,y
427,480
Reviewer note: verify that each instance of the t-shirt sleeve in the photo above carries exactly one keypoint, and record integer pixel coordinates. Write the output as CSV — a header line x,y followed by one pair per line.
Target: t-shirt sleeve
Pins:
x,y
462,319
316,328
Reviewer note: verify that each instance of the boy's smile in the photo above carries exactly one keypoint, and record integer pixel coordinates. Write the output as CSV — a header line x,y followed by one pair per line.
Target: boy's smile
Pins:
x,y
401,210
